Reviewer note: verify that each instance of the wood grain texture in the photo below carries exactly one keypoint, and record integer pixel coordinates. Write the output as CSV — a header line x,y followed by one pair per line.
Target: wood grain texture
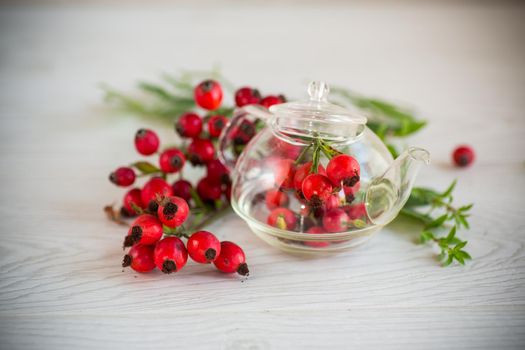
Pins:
x,y
61,286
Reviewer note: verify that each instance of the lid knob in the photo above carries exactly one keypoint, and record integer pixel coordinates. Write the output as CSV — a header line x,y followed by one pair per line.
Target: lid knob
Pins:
x,y
318,91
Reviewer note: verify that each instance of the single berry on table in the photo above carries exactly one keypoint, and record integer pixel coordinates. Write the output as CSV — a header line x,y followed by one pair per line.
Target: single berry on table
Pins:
x,y
182,188
216,124
203,247
276,198
282,218
201,151
153,189
170,254
317,188
463,156
189,125
171,160
146,229
173,211
336,220
209,189
208,94
139,258
146,142
133,199
247,96
343,169
231,259
123,176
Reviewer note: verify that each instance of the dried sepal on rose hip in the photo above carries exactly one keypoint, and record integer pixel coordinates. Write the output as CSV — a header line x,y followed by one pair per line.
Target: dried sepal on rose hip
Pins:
x,y
139,258
173,211
203,247
208,95
146,229
123,176
231,259
170,255
146,142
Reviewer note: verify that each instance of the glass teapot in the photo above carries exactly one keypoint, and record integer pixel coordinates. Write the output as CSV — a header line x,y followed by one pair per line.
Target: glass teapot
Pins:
x,y
314,179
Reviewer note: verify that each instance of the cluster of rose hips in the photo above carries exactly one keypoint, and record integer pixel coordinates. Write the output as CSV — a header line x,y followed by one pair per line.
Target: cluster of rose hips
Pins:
x,y
325,194
162,207
169,254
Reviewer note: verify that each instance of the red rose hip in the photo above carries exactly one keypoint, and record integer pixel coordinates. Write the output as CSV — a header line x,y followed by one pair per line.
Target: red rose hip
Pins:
x,y
146,142
201,151
215,125
171,160
132,199
203,247
189,125
336,220
182,188
173,211
123,176
343,169
316,244
208,94
231,259
139,258
275,198
282,218
170,254
153,189
209,189
146,229
317,188
271,100
302,172
247,96
463,156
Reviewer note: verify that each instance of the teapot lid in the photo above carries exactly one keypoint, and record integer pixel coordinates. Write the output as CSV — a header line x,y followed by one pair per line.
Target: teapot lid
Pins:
x,y
317,116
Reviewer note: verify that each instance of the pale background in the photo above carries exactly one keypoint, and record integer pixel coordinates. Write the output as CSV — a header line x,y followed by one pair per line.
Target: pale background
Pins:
x,y
460,64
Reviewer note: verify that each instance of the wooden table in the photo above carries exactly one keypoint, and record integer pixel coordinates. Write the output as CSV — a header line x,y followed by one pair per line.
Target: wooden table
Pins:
x,y
61,286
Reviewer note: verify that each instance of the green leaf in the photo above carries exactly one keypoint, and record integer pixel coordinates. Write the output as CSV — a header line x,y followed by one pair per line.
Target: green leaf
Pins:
x,y
449,260
464,254
449,190
146,167
451,234
460,245
426,236
459,259
437,222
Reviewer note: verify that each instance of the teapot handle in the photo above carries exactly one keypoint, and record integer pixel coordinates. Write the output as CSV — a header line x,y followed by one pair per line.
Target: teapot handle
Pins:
x,y
239,131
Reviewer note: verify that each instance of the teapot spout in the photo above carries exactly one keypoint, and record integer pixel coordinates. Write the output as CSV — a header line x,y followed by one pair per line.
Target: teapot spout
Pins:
x,y
387,194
